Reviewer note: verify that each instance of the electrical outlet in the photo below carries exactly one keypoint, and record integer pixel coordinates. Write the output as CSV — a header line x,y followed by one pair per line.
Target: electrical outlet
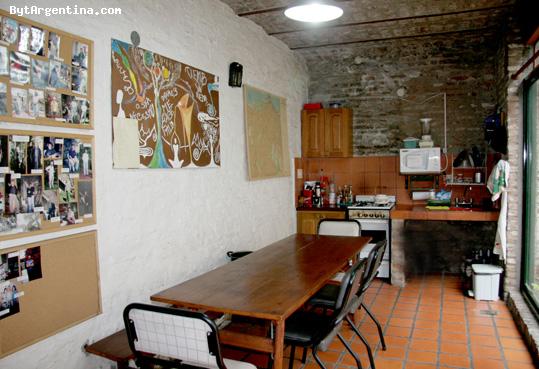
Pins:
x,y
299,173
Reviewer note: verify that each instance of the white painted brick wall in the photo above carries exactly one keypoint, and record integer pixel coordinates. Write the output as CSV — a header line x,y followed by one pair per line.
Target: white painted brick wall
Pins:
x,y
160,227
517,54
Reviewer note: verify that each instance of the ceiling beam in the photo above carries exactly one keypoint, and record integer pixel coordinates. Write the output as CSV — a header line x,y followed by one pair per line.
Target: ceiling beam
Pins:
x,y
262,11
276,9
392,38
433,15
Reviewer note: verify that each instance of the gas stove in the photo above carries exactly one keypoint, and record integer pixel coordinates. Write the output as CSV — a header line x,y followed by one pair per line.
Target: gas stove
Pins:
x,y
375,223
366,207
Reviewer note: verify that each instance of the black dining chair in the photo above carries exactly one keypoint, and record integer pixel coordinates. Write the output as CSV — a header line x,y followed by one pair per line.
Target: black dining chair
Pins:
x,y
317,330
326,297
174,338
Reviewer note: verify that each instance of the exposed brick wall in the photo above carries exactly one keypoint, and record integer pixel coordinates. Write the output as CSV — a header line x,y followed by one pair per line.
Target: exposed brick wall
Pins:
x,y
516,54
502,78
370,77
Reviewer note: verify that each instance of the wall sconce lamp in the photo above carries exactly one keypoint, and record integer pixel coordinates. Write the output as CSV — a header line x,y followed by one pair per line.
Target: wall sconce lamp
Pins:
x,y
235,74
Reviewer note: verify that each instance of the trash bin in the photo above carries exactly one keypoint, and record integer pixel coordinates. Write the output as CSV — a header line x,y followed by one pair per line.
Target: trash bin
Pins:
x,y
233,255
486,281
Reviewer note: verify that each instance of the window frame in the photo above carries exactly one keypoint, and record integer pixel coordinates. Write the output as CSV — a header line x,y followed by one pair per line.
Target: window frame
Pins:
x,y
528,160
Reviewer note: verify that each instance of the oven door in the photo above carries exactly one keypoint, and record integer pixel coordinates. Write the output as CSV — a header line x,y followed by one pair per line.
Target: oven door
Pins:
x,y
378,230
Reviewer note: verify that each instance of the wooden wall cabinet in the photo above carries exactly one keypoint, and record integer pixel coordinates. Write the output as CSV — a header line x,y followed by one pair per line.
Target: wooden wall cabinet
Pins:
x,y
326,133
308,219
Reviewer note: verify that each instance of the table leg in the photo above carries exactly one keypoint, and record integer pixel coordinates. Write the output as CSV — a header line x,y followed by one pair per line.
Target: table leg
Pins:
x,y
278,345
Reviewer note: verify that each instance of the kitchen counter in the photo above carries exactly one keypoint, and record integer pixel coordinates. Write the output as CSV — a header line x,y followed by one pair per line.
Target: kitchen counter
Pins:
x,y
419,212
323,208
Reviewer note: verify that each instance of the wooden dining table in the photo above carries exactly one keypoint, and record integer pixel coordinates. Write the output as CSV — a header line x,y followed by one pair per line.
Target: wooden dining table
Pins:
x,y
269,284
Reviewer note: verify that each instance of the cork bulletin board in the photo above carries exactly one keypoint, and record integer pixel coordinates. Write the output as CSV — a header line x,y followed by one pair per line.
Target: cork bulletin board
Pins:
x,y
46,75
63,293
47,182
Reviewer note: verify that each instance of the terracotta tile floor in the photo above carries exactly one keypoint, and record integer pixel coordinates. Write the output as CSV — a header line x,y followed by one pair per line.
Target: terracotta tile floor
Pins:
x,y
431,324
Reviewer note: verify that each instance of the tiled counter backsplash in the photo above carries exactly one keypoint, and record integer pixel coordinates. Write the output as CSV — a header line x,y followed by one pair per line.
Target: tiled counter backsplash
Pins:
x,y
370,175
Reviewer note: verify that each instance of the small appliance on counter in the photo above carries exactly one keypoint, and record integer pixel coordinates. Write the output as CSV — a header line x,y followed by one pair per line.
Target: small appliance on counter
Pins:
x,y
420,161
426,138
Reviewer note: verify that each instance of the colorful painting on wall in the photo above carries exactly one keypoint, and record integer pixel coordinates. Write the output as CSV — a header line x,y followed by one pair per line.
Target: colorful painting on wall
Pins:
x,y
165,113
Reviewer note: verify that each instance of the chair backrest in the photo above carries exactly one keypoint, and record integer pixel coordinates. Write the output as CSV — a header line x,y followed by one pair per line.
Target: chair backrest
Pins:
x,y
339,227
169,336
374,259
349,287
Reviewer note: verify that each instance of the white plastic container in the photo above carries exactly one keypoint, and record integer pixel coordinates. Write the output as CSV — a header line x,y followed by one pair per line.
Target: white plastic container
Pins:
x,y
486,281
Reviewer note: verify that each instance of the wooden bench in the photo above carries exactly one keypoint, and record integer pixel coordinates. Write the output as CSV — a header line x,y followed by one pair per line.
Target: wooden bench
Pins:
x,y
114,347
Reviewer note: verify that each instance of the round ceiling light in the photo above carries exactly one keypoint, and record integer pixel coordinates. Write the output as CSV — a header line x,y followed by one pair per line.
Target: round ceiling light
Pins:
x,y
313,13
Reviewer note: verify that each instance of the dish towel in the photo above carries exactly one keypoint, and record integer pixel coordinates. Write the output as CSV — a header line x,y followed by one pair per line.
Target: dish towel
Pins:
x,y
497,185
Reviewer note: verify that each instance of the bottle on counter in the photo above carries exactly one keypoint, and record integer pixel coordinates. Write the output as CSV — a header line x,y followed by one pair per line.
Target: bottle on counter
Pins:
x,y
323,187
339,197
332,196
317,197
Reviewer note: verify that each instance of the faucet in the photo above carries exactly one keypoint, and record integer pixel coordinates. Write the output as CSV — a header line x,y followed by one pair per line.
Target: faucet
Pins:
x,y
465,202
468,189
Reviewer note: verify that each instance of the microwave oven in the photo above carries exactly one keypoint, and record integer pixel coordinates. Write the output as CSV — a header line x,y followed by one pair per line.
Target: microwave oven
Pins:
x,y
420,161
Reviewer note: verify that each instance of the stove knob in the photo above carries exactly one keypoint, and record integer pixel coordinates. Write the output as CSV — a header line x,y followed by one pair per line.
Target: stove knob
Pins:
x,y
371,215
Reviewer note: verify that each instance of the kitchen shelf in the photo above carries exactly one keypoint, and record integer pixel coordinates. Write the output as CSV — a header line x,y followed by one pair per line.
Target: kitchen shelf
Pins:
x,y
465,184
468,173
469,168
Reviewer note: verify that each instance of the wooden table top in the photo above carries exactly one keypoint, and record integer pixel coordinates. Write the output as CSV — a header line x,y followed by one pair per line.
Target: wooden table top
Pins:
x,y
270,283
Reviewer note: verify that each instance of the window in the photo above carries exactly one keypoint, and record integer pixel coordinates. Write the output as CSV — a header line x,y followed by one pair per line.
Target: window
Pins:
x,y
530,276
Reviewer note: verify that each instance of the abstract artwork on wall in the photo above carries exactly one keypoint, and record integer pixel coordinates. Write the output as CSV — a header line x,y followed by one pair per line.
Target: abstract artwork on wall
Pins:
x,y
266,132
166,109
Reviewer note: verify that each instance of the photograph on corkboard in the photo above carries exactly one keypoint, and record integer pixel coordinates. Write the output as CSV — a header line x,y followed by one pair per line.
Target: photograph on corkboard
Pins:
x,y
30,264
9,299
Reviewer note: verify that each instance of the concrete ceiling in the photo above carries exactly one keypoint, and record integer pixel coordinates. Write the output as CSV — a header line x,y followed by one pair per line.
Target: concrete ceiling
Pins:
x,y
367,21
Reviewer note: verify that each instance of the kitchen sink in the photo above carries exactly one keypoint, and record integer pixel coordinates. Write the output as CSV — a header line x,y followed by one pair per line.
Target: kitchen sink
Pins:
x,y
454,208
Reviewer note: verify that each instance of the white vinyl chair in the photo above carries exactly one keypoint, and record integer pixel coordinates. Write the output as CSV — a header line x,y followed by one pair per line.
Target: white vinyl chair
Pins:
x,y
339,227
175,338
